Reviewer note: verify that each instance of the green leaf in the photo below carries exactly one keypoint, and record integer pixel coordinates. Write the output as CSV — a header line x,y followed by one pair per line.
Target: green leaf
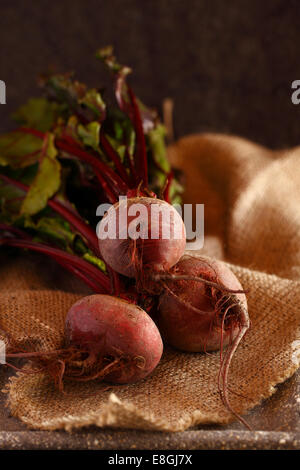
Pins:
x,y
85,103
106,54
93,100
19,150
156,140
119,131
120,72
52,228
161,167
10,202
39,113
94,260
149,116
47,180
69,129
176,191
90,134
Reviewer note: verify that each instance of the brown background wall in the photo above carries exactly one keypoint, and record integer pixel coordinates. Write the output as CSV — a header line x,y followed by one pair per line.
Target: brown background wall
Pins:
x,y
228,64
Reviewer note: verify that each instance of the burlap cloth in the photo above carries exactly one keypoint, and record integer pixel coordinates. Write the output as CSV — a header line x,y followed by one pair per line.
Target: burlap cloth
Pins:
x,y
252,217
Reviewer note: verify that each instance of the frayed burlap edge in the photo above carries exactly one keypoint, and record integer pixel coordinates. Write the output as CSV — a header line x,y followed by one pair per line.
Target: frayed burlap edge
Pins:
x,y
118,414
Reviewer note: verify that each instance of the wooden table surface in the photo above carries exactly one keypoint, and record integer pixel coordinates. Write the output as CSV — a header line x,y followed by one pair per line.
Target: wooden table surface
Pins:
x,y
275,424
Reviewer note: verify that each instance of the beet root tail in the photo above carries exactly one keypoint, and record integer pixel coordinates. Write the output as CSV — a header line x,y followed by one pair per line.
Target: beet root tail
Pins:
x,y
225,363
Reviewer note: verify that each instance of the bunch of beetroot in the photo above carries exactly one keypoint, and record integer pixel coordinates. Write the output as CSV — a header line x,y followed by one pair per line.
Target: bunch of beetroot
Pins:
x,y
72,153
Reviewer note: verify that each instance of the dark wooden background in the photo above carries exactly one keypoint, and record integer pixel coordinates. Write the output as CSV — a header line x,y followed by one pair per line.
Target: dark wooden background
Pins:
x,y
228,64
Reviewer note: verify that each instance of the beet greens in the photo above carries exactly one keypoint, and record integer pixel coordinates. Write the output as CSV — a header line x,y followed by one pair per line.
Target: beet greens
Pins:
x,y
71,152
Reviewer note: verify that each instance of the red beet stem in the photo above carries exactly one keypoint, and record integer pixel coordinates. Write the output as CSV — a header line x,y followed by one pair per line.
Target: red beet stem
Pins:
x,y
114,181
64,258
76,221
166,193
113,155
133,175
14,231
98,289
70,146
112,196
140,152
29,130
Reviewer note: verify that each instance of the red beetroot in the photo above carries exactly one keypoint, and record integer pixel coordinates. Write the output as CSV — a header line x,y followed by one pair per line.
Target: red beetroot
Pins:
x,y
204,308
106,338
144,241
117,333
195,316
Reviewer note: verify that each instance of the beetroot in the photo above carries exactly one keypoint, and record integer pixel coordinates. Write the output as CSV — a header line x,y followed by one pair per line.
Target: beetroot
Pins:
x,y
144,241
203,308
115,332
106,338
196,316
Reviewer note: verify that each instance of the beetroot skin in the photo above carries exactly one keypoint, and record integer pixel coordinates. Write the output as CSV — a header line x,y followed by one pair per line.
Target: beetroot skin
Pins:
x,y
114,330
132,257
191,312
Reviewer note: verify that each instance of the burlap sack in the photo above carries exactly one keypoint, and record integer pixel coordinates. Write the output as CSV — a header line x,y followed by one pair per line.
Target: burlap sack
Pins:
x,y
252,216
